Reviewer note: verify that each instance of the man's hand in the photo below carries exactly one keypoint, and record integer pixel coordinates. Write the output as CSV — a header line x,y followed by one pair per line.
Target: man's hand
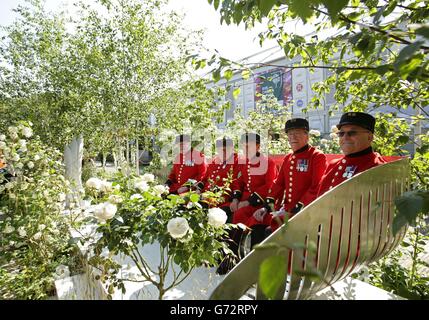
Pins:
x,y
234,205
243,204
182,190
259,214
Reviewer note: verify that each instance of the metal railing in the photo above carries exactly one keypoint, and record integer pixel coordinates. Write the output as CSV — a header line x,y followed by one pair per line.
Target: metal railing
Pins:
x,y
349,226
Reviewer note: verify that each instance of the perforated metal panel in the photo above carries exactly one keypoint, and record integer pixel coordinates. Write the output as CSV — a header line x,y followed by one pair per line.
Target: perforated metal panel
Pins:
x,y
350,226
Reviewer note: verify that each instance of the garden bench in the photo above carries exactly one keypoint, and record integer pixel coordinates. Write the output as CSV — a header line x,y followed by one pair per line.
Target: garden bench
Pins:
x,y
350,226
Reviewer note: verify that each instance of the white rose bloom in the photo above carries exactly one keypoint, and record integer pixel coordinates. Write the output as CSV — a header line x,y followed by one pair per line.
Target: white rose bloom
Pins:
x,y
136,196
141,185
334,129
333,135
1,213
22,143
2,137
106,186
36,157
148,177
19,165
323,141
315,133
27,132
2,144
160,189
115,199
105,211
217,217
94,183
21,231
16,157
12,129
177,227
8,229
30,165
42,227
61,272
37,235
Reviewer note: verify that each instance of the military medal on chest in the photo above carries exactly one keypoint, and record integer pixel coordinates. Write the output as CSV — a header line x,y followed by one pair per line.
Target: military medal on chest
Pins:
x,y
302,165
349,171
189,163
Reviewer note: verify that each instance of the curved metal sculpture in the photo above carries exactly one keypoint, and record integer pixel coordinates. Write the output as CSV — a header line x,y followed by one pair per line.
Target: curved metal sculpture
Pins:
x,y
349,226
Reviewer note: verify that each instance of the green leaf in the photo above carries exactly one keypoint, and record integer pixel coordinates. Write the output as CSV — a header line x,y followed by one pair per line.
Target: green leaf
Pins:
x,y
216,4
423,31
403,140
238,15
216,75
228,74
381,70
194,197
265,6
272,275
378,15
245,74
236,93
409,206
301,8
398,222
407,52
334,7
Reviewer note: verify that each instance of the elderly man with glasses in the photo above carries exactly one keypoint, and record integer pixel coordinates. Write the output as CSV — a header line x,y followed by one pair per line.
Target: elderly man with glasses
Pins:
x,y
356,133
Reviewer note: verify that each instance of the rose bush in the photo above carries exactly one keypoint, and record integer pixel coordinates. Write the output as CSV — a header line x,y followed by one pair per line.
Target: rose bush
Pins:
x,y
137,212
33,230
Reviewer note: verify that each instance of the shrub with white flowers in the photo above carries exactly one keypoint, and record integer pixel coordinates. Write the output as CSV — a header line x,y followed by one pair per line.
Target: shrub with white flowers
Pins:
x,y
138,211
33,230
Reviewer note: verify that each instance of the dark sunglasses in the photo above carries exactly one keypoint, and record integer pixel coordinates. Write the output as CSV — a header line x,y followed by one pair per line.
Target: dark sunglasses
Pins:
x,y
350,133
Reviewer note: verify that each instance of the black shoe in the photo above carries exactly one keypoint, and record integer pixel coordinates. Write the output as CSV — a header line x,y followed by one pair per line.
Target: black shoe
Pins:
x,y
258,234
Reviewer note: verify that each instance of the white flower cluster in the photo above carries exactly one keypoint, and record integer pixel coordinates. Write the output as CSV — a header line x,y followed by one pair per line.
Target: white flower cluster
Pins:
x,y
315,133
177,227
99,185
160,189
105,211
142,183
217,217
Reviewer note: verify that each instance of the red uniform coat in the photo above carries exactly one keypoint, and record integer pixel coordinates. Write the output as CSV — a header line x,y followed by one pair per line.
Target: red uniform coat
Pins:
x,y
252,184
217,173
344,168
299,179
191,165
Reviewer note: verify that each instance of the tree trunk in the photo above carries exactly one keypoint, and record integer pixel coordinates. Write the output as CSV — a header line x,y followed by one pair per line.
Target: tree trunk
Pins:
x,y
103,161
137,157
73,154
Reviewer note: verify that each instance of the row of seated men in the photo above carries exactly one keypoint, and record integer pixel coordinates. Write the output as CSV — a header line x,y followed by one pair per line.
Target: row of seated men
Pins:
x,y
258,187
